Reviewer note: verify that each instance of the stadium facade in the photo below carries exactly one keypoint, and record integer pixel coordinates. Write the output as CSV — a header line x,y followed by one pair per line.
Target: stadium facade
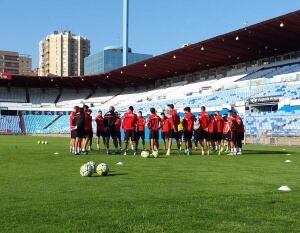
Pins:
x,y
255,70
110,58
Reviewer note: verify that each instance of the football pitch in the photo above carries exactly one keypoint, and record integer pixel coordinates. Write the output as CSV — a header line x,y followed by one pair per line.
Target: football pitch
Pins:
x,y
43,192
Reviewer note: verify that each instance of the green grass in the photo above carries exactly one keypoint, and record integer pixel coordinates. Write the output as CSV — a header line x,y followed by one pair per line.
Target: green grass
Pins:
x,y
42,192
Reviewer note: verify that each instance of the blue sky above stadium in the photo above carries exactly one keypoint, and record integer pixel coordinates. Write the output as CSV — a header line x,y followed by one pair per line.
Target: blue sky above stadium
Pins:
x,y
156,26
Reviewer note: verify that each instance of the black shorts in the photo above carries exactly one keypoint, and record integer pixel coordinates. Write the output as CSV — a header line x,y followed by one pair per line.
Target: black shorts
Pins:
x,y
118,134
89,134
201,135
73,134
226,136
130,134
180,134
153,134
100,133
140,134
241,136
173,134
218,136
234,136
188,135
80,133
165,135
110,133
196,134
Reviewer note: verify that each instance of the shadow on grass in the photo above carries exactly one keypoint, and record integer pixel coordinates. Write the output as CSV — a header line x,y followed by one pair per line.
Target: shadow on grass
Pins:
x,y
112,173
265,152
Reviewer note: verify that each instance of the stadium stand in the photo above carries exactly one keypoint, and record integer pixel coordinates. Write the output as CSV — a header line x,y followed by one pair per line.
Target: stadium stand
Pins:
x,y
10,124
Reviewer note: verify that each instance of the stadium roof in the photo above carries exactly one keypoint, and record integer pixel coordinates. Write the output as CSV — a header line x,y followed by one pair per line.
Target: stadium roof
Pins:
x,y
268,38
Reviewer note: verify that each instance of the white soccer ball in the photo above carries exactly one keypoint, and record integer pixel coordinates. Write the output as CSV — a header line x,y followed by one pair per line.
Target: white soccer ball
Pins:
x,y
42,142
93,165
45,142
38,142
86,170
102,169
145,154
155,154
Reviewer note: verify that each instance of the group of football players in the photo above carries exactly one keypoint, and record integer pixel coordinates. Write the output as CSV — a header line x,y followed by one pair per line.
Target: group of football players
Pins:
x,y
207,131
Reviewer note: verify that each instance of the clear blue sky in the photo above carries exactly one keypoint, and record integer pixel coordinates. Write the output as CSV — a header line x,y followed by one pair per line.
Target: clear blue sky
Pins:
x,y
156,26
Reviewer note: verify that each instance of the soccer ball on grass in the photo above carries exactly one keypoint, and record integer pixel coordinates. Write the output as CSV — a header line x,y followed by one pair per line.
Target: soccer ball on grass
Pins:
x,y
93,165
86,170
102,169
145,154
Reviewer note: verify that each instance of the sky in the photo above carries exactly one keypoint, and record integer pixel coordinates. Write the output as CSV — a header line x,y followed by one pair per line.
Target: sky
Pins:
x,y
155,26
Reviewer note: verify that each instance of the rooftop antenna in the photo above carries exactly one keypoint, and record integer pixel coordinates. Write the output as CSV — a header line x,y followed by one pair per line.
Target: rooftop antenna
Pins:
x,y
125,31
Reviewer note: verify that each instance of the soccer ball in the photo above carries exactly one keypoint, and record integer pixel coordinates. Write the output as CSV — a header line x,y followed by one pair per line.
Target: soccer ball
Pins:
x,y
38,142
155,154
45,142
102,169
145,154
93,165
86,170
42,142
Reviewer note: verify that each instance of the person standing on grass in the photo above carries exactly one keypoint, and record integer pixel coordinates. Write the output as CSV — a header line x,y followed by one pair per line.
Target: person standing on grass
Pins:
x,y
72,128
140,129
174,121
153,125
88,128
218,131
180,133
188,125
196,132
226,134
100,129
211,133
129,126
165,129
79,127
109,121
233,124
240,133
118,125
204,120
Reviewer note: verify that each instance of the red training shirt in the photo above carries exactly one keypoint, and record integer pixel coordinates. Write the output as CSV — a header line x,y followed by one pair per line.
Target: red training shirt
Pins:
x,y
188,121
129,122
141,123
99,122
153,122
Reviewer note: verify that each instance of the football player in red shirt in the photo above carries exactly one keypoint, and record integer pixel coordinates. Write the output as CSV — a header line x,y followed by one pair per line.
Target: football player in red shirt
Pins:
x,y
233,124
140,129
174,121
204,119
188,126
100,129
218,131
240,133
129,126
118,125
226,133
153,125
165,129
72,128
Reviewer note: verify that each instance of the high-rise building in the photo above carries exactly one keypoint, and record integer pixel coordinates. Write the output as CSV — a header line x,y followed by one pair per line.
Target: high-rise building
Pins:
x,y
110,58
15,63
62,54
25,64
